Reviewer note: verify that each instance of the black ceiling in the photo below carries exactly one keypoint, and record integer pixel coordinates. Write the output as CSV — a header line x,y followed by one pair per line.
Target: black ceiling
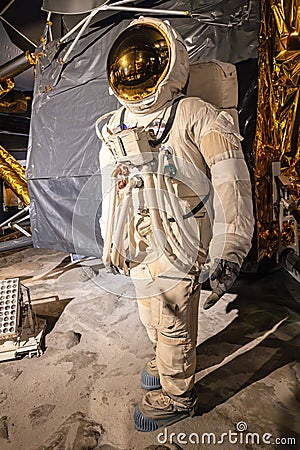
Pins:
x,y
27,17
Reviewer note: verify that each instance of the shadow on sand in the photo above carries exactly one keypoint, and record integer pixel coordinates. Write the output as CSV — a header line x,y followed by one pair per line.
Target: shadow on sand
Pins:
x,y
264,337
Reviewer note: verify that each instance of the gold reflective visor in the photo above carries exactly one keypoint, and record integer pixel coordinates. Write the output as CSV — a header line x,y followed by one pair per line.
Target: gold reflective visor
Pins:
x,y
137,62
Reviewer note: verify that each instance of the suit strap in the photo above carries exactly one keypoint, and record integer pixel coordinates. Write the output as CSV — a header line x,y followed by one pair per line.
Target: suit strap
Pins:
x,y
196,209
155,142
122,117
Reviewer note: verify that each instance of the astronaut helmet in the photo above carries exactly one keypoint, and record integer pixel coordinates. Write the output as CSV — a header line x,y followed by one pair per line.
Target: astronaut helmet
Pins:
x,y
147,65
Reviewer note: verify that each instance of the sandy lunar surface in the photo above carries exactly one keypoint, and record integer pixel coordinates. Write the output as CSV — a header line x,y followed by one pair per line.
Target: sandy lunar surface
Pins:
x,y
80,394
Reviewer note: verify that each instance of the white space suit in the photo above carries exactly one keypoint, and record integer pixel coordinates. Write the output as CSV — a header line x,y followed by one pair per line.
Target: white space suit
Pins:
x,y
184,199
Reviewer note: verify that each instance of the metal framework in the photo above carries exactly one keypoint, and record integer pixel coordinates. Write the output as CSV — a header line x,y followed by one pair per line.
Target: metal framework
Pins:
x,y
285,212
117,6
15,221
21,332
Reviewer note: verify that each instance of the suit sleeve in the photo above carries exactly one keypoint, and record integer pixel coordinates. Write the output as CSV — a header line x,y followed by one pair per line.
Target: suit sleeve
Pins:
x,y
107,164
233,220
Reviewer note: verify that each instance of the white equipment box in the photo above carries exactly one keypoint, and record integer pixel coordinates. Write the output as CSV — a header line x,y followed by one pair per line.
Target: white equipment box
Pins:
x,y
20,331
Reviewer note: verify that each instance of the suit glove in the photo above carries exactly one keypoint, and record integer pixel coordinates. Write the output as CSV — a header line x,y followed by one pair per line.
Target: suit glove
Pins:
x,y
221,280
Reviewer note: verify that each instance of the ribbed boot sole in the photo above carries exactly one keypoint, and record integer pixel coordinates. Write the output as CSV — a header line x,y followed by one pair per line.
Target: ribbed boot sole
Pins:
x,y
146,424
149,382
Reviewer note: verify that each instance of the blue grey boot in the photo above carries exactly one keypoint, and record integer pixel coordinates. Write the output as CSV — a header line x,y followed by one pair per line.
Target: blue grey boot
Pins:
x,y
150,376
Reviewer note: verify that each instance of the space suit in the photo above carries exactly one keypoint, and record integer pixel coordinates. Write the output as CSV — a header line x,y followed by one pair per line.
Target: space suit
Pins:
x,y
180,200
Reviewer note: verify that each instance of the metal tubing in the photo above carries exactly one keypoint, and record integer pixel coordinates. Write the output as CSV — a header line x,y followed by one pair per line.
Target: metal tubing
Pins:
x,y
146,10
19,228
85,25
19,32
49,26
24,218
15,217
14,67
72,30
117,7
6,7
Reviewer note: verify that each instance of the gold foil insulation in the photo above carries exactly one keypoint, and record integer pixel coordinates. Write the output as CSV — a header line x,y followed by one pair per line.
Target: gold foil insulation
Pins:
x,y
277,131
31,57
6,86
13,174
14,102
